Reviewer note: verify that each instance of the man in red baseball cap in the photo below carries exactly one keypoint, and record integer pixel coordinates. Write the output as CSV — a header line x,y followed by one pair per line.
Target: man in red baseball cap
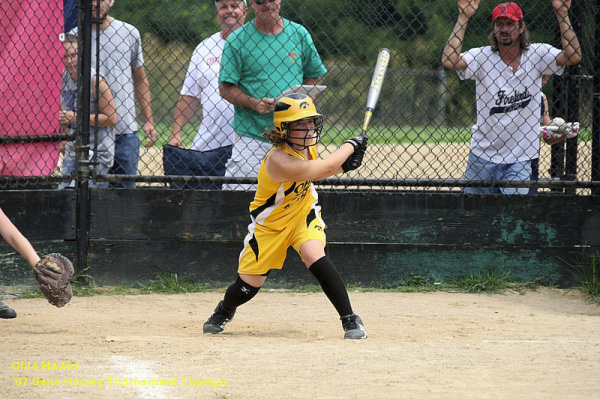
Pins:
x,y
508,10
508,76
509,28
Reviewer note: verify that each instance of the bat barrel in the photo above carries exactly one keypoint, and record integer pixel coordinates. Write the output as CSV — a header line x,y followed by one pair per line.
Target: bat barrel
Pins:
x,y
376,83
378,77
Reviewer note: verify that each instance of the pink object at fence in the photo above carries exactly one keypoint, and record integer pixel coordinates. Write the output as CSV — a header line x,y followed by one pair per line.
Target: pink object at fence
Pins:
x,y
30,83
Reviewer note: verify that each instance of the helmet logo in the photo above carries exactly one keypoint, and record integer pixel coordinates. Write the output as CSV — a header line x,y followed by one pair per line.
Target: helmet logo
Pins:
x,y
303,105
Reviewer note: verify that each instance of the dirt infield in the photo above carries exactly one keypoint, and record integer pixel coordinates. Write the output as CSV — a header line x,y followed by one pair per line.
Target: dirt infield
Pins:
x,y
543,344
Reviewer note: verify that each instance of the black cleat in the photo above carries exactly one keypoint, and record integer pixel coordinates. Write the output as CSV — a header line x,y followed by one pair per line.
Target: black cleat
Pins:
x,y
353,327
216,322
6,312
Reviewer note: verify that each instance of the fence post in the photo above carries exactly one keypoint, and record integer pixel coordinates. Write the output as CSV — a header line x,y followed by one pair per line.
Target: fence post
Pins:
x,y
82,176
441,103
572,114
558,107
596,105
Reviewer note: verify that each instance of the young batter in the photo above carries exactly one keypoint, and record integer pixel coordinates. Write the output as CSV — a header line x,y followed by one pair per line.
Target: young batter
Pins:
x,y
286,212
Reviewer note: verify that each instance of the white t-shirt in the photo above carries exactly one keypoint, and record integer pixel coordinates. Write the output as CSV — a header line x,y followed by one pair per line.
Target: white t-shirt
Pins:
x,y
202,82
508,104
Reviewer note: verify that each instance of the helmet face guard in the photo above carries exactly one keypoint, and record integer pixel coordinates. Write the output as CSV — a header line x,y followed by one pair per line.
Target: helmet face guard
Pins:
x,y
308,139
296,108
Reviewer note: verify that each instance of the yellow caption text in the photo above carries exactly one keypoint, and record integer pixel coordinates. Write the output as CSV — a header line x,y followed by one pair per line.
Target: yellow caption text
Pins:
x,y
100,383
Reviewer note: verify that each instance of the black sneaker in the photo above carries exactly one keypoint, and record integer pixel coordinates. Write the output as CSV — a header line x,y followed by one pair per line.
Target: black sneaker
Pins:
x,y
353,327
216,323
6,312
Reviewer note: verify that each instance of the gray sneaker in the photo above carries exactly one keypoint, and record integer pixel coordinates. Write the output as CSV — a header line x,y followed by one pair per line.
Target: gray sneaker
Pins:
x,y
6,312
353,327
216,322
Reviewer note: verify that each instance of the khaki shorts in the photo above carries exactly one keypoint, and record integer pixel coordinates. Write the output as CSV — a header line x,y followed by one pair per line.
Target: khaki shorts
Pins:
x,y
266,249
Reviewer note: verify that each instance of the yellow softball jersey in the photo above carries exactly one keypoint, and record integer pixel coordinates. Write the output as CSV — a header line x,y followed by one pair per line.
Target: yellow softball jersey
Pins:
x,y
277,204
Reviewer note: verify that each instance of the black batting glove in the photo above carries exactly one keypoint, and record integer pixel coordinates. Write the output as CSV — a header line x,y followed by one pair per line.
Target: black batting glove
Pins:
x,y
358,142
354,160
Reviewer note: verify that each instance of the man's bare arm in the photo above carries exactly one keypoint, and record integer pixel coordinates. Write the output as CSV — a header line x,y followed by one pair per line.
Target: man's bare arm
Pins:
x,y
451,57
571,54
237,97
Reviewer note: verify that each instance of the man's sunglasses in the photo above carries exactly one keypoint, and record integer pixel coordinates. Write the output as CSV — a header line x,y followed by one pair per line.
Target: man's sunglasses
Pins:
x,y
264,1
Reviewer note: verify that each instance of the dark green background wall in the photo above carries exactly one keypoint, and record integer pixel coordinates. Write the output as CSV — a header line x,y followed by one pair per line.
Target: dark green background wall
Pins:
x,y
375,239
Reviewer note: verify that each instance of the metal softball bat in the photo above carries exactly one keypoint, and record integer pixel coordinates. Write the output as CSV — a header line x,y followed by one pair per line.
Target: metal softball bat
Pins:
x,y
376,84
375,89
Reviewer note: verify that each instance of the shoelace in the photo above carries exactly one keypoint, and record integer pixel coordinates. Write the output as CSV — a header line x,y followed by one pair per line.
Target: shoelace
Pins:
x,y
350,324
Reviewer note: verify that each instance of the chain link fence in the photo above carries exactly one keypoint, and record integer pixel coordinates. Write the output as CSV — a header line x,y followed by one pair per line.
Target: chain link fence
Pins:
x,y
157,117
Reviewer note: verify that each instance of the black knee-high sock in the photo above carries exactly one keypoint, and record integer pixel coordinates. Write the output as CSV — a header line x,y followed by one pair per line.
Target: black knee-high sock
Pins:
x,y
332,284
238,294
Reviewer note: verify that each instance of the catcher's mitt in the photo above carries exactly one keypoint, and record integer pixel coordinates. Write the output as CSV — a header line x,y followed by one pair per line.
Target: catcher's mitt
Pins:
x,y
53,272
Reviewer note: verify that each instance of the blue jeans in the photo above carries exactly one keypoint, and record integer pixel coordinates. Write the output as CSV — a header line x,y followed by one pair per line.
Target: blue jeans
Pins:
x,y
184,162
69,167
480,169
127,156
535,174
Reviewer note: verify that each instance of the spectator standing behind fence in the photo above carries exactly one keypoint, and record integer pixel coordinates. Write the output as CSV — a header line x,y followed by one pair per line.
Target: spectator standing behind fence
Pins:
x,y
267,56
214,139
508,76
101,101
122,64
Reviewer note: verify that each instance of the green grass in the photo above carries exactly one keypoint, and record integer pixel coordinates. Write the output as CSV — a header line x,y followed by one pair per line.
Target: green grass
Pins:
x,y
399,135
164,134
485,281
172,283
83,291
163,283
414,289
488,281
30,294
586,269
309,288
337,134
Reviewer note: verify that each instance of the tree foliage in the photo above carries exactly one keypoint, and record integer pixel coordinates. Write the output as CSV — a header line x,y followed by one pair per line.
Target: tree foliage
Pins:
x,y
348,29
348,35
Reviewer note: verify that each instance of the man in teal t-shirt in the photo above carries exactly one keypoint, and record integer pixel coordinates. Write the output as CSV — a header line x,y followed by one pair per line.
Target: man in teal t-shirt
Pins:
x,y
265,57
